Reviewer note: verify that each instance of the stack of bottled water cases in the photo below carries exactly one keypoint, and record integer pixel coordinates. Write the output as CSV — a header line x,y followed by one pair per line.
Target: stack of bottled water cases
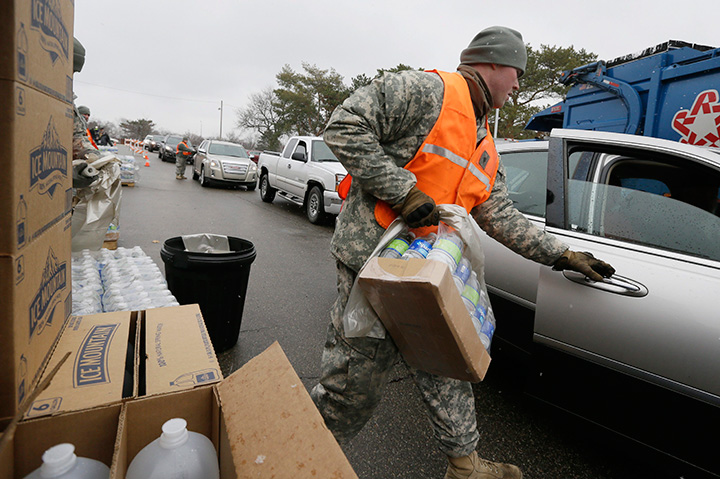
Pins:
x,y
129,169
107,149
447,247
125,279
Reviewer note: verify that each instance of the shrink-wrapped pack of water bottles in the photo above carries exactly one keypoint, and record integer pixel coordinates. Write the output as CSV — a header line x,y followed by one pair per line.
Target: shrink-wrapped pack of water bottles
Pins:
x,y
446,246
125,279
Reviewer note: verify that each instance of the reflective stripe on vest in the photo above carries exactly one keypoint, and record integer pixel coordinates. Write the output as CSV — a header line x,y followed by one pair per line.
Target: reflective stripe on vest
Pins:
x,y
449,166
460,161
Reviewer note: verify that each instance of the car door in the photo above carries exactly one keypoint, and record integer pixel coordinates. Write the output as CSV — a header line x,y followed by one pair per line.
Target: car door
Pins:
x,y
200,156
295,170
284,165
648,207
507,274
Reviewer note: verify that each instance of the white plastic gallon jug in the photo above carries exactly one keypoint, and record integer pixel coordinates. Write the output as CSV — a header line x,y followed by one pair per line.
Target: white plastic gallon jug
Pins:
x,y
176,453
60,462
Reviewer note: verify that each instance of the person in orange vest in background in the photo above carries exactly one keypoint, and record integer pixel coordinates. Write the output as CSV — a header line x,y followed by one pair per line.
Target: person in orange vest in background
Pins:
x,y
182,154
85,113
412,140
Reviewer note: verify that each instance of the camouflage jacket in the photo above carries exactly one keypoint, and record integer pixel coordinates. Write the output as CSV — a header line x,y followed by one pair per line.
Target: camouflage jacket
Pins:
x,y
374,134
82,148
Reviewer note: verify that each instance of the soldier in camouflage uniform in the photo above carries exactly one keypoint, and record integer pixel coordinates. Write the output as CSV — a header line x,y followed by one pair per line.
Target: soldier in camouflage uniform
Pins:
x,y
83,149
182,153
375,133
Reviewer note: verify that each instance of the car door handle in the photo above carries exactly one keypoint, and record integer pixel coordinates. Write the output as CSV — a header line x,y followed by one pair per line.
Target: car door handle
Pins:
x,y
289,166
616,284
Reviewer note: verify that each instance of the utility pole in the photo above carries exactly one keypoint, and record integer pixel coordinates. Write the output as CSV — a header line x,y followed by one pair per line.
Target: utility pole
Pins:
x,y
221,108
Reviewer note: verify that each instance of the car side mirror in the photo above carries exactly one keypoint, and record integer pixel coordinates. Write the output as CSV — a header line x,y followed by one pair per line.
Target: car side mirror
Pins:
x,y
299,156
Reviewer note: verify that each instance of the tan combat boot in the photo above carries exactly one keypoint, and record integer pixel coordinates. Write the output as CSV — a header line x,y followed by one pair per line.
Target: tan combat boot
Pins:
x,y
473,467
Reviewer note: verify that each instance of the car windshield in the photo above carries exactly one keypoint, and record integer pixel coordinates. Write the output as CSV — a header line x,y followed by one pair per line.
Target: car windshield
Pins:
x,y
157,138
321,152
227,150
173,140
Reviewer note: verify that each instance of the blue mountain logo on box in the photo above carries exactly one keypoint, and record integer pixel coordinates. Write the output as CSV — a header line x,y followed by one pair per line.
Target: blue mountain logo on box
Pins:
x,y
91,363
46,17
48,162
42,307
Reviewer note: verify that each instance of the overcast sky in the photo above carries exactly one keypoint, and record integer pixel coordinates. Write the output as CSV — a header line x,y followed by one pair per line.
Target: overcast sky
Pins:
x,y
174,61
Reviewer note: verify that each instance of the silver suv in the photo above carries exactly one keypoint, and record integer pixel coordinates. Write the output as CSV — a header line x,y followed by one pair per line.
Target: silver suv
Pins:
x,y
224,162
638,353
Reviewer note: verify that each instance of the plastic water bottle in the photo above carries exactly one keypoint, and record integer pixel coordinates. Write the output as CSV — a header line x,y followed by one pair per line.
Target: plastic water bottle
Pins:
x,y
397,247
487,330
462,273
471,293
60,462
447,249
420,247
176,453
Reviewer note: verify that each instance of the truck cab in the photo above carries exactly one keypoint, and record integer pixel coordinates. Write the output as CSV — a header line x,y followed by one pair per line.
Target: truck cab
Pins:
x,y
306,173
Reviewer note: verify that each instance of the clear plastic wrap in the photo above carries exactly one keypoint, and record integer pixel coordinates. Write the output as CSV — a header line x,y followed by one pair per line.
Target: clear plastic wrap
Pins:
x,y
360,319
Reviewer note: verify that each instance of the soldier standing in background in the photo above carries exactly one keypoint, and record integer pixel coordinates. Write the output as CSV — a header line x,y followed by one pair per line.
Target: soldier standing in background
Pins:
x,y
182,153
412,140
83,147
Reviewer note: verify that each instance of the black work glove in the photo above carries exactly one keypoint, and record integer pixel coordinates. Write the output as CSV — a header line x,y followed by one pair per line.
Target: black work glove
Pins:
x,y
585,263
418,209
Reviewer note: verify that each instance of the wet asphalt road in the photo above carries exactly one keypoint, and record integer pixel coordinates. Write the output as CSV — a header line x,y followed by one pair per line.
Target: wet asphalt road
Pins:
x,y
291,289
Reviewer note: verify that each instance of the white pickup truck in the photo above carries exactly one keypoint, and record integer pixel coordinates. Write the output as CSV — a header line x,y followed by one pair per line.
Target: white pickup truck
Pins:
x,y
305,173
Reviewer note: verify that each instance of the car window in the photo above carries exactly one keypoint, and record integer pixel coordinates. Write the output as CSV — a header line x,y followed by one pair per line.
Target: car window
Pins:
x,y
301,148
173,140
321,152
667,203
526,178
289,148
227,150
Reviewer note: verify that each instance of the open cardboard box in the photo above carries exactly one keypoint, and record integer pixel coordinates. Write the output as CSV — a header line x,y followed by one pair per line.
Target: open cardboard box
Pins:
x,y
261,419
93,432
421,308
127,355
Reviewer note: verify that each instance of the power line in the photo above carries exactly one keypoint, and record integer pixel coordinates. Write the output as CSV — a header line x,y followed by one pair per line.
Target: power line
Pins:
x,y
143,93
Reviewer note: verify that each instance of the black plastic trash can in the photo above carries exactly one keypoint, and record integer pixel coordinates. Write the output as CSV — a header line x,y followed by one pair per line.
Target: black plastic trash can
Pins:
x,y
216,281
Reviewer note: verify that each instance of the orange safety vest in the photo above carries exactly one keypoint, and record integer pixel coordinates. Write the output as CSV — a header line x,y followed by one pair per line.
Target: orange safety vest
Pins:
x,y
92,142
450,166
177,149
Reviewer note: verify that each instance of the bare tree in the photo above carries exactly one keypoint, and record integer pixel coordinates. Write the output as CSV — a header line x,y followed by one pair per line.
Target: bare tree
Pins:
x,y
260,115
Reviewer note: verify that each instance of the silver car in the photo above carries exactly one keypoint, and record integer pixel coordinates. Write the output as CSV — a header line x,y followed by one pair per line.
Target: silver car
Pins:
x,y
650,208
224,162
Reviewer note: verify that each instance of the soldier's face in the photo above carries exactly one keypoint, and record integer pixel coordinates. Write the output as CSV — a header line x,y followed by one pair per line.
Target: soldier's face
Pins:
x,y
501,81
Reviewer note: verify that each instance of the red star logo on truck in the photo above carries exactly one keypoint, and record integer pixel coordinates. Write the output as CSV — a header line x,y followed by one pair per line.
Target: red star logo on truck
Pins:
x,y
701,124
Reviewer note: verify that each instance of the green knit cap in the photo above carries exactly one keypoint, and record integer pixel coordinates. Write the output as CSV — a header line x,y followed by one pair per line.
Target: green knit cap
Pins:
x,y
83,110
499,45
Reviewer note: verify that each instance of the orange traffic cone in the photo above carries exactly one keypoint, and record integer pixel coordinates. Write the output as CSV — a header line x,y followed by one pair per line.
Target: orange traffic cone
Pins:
x,y
147,162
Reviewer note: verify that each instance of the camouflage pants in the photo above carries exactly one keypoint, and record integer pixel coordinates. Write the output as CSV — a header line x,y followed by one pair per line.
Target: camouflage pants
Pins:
x,y
355,372
180,165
